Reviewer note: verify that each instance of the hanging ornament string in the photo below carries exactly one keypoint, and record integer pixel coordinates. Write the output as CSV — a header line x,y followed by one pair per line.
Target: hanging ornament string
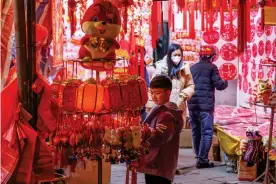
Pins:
x,y
185,15
202,15
231,17
241,26
72,8
222,3
247,21
162,26
154,22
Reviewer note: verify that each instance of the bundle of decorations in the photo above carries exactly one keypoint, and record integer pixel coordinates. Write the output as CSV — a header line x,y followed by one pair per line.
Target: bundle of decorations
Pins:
x,y
262,92
252,148
91,115
111,95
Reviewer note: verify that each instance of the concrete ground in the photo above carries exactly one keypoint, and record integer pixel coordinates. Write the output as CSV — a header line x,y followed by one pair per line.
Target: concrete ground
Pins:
x,y
188,173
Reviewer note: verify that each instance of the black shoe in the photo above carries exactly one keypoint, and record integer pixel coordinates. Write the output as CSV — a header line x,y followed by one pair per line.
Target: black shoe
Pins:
x,y
205,165
177,172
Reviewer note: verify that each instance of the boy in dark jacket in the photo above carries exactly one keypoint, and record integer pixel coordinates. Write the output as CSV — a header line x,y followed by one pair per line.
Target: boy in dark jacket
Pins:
x,y
201,105
162,159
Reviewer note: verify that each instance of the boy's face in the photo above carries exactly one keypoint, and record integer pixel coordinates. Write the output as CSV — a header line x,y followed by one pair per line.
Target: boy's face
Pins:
x,y
160,96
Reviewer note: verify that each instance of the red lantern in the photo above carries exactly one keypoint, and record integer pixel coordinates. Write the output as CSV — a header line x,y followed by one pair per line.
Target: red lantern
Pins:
x,y
69,100
112,97
90,97
57,92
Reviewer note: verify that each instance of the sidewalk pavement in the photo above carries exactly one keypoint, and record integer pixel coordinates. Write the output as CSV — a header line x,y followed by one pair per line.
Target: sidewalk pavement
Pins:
x,y
188,173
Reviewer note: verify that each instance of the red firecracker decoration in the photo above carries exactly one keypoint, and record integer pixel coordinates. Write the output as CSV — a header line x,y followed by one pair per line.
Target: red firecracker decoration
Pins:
x,y
241,25
72,8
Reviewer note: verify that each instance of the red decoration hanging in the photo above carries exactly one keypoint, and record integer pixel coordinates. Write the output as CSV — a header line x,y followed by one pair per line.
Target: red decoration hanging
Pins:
x,y
154,22
241,26
202,15
248,25
72,8
222,13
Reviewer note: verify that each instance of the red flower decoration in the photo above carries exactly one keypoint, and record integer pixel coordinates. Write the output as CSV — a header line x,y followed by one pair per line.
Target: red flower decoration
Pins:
x,y
254,50
211,37
228,51
228,71
261,47
268,47
227,34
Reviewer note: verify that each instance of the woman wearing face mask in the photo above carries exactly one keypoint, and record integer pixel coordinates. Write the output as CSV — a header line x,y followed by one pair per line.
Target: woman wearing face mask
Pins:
x,y
180,74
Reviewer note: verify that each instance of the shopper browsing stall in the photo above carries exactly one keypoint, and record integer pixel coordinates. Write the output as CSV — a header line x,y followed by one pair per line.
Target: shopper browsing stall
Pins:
x,y
201,106
162,159
173,66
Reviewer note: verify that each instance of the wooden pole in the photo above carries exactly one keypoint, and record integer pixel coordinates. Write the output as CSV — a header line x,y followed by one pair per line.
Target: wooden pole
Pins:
x,y
21,58
31,61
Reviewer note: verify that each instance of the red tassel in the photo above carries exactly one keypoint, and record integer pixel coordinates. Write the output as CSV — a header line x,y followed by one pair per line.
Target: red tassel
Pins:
x,y
185,15
134,177
262,18
172,22
161,23
230,17
202,15
142,63
196,8
127,175
248,26
192,23
136,59
169,14
125,19
221,14
154,22
241,26
132,39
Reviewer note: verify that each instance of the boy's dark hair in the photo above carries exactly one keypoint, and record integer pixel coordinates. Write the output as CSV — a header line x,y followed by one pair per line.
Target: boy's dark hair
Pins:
x,y
161,81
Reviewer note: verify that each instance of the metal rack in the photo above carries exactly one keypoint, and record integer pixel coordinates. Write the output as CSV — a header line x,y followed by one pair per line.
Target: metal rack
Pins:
x,y
267,175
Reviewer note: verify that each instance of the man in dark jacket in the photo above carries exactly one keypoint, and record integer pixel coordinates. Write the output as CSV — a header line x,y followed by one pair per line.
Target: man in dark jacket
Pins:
x,y
162,159
201,105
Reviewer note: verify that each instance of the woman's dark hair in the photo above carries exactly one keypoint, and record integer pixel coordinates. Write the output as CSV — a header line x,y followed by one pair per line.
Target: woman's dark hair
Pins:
x,y
173,47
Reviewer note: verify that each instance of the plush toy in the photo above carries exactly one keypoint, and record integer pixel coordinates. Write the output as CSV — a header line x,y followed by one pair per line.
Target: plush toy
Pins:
x,y
264,90
115,139
136,136
107,135
127,139
101,23
272,155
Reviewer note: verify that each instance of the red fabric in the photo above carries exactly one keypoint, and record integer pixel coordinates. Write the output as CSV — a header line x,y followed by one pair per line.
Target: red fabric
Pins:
x,y
7,21
44,108
8,105
43,164
25,168
9,153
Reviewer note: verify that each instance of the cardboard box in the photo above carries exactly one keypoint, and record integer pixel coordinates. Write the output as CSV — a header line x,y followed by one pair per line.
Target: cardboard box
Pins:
x,y
186,139
89,175
246,173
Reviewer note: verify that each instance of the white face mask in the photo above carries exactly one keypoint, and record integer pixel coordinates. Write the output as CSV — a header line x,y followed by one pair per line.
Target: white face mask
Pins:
x,y
176,59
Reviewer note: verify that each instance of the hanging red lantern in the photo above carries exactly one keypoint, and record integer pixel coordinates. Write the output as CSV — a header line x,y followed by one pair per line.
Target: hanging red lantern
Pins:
x,y
69,100
90,96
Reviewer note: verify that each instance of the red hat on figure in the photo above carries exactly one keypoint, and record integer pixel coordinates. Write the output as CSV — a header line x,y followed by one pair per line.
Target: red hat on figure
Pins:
x,y
207,52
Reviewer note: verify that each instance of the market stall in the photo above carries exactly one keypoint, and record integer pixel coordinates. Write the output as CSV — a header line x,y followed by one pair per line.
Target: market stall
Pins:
x,y
92,84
